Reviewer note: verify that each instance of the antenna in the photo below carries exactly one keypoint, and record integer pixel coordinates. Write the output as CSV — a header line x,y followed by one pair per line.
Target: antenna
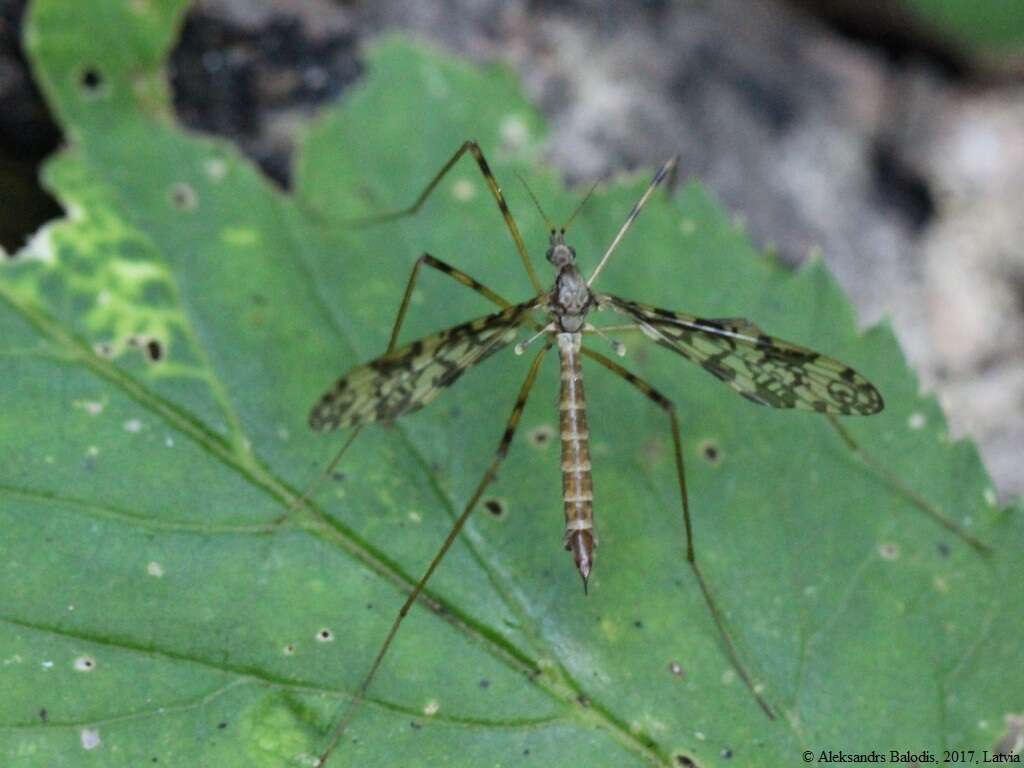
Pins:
x,y
580,206
536,202
665,170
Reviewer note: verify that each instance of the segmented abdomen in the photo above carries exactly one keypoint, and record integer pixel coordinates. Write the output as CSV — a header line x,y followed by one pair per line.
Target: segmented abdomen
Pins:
x,y
577,483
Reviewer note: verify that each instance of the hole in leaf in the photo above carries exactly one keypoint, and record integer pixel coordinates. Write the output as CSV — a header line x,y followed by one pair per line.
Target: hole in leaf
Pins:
x,y
675,668
726,753
154,350
496,507
686,761
85,663
542,435
710,451
150,347
325,635
91,80
183,196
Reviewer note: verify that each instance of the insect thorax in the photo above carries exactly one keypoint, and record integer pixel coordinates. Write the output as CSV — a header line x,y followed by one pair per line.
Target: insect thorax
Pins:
x,y
571,300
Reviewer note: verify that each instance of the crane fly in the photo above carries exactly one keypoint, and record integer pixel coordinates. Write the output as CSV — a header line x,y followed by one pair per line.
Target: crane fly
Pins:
x,y
761,368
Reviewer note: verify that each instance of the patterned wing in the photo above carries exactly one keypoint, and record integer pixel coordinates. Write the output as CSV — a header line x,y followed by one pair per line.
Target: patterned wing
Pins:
x,y
408,378
763,369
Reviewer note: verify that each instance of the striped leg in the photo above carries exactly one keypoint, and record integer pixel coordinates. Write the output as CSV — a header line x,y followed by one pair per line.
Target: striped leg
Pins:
x,y
880,470
489,475
492,184
447,269
691,555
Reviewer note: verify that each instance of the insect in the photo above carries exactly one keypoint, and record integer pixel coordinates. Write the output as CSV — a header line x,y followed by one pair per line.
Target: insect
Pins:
x,y
759,367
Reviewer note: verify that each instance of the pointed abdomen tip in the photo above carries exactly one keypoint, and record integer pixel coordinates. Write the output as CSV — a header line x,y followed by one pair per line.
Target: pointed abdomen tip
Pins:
x,y
581,544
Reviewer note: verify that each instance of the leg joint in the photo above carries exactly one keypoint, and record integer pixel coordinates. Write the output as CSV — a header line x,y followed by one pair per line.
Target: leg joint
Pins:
x,y
662,402
436,263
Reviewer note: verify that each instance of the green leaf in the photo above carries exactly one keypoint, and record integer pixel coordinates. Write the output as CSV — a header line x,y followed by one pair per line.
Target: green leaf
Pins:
x,y
163,602
995,27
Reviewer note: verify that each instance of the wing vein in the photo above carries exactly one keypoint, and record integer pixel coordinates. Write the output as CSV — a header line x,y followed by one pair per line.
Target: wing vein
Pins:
x,y
761,368
408,378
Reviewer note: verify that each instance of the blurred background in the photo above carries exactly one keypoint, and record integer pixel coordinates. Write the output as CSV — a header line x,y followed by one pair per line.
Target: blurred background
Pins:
x,y
885,135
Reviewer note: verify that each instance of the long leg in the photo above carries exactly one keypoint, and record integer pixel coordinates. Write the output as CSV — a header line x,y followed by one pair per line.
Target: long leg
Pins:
x,y
474,149
489,475
666,169
691,555
447,269
913,496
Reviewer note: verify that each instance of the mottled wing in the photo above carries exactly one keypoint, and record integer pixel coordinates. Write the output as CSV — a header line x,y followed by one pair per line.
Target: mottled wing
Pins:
x,y
409,378
763,369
